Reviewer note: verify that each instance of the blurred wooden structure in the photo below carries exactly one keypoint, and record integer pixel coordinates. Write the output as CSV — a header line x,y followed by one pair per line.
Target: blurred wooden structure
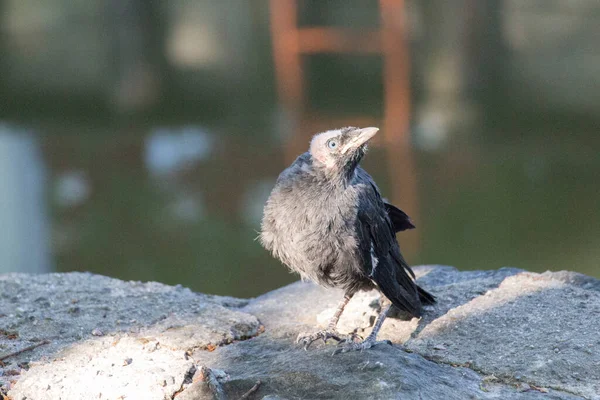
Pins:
x,y
291,43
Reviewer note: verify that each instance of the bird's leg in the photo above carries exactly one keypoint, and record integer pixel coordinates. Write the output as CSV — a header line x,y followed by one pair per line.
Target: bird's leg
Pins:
x,y
371,340
338,312
330,332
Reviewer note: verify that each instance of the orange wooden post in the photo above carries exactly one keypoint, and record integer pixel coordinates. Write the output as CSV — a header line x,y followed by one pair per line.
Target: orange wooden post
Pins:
x,y
286,52
396,71
397,113
288,69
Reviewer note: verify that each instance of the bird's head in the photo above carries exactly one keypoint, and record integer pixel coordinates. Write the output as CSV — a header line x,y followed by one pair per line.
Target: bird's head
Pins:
x,y
339,151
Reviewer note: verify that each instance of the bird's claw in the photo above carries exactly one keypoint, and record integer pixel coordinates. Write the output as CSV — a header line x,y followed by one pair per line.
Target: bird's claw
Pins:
x,y
325,335
360,346
354,338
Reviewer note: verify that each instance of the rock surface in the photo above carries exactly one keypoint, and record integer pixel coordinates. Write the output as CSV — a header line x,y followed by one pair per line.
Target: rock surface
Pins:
x,y
492,335
108,338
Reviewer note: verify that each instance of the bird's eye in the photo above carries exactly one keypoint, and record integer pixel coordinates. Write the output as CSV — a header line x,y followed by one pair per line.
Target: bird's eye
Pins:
x,y
332,144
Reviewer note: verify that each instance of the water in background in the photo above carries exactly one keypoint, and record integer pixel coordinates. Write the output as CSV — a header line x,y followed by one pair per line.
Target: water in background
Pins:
x,y
505,153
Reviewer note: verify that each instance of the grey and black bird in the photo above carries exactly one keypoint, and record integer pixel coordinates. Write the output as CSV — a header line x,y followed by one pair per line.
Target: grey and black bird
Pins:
x,y
326,220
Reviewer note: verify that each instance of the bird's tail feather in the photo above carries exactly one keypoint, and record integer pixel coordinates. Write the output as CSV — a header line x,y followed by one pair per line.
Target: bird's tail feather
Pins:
x,y
425,297
402,290
395,279
401,294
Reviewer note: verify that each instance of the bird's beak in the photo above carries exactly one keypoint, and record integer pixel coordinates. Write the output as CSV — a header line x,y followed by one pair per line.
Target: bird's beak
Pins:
x,y
358,138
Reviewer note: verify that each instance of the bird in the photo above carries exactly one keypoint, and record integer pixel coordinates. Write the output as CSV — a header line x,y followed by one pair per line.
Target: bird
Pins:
x,y
326,220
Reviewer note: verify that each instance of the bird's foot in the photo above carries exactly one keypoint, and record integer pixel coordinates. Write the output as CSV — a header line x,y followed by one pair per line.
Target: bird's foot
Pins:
x,y
306,339
348,346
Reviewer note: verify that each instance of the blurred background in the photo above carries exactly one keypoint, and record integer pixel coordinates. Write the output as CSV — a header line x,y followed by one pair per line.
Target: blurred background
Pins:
x,y
140,139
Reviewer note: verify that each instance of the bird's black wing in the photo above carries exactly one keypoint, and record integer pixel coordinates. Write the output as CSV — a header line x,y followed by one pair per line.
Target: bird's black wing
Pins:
x,y
400,220
380,252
